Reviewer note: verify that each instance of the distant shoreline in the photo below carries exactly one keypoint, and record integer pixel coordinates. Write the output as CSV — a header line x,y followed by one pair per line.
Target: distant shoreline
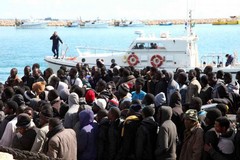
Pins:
x,y
11,22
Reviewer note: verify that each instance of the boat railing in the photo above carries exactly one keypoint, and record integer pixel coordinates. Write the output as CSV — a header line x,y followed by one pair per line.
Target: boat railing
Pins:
x,y
212,59
84,50
217,60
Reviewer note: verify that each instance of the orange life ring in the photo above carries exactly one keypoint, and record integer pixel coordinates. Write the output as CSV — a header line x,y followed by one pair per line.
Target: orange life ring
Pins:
x,y
71,58
133,60
156,60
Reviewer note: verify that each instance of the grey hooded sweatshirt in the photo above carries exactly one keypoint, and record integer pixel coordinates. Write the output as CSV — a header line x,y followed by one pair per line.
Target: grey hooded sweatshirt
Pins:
x,y
167,135
71,117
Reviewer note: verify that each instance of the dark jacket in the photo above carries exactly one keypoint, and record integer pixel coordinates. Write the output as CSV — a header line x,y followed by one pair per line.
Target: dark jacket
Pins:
x,y
167,136
128,135
146,139
237,143
28,81
114,138
210,137
225,147
26,141
102,140
55,39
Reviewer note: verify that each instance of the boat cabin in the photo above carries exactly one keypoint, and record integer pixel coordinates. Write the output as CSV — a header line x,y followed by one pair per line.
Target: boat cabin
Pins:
x,y
164,52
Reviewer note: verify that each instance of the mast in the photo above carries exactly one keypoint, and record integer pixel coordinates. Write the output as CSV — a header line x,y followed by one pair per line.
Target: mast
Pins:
x,y
189,23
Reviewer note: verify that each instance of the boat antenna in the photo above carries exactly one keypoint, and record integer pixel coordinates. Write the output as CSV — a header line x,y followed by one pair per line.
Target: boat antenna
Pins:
x,y
188,23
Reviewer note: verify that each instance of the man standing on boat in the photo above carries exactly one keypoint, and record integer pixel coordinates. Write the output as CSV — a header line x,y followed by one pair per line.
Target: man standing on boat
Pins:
x,y
229,59
55,46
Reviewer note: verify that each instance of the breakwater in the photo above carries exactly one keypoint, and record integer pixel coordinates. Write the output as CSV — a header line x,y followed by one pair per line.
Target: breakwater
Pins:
x,y
11,22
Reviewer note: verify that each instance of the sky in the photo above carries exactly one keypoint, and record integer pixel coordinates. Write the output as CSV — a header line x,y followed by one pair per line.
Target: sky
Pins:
x,y
118,9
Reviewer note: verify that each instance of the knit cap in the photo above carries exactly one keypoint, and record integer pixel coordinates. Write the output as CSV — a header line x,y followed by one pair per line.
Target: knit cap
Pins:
x,y
29,95
123,89
19,99
136,107
90,96
101,103
47,111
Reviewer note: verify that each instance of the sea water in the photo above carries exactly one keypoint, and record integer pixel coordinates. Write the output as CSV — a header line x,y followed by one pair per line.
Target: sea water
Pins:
x,y
21,47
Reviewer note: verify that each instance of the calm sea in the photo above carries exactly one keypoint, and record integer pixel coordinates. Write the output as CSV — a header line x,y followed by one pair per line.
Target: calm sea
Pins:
x,y
21,47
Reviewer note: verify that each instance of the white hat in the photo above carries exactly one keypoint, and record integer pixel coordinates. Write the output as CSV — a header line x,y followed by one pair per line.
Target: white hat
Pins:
x,y
101,103
160,99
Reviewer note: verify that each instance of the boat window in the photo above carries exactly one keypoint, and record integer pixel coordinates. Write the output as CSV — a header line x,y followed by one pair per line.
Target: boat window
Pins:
x,y
139,46
156,46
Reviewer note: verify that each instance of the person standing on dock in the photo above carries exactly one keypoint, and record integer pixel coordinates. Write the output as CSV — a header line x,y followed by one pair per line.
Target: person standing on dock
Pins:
x,y
55,46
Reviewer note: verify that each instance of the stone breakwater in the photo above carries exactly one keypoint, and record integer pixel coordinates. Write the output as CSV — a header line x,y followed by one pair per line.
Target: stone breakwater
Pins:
x,y
11,22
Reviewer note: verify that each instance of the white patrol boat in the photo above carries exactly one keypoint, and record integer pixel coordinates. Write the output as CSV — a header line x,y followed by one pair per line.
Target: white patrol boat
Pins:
x,y
164,52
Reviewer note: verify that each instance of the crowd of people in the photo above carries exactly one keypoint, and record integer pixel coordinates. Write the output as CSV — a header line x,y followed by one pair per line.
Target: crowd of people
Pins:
x,y
121,113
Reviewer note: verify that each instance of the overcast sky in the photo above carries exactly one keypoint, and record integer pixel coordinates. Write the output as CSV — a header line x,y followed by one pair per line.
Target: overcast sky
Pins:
x,y
118,9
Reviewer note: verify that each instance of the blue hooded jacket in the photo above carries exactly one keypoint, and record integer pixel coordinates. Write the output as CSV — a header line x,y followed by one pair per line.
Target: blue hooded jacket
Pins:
x,y
87,137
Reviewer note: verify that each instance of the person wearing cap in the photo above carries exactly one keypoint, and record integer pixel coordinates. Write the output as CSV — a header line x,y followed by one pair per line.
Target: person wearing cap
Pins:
x,y
90,97
25,135
167,135
192,146
99,104
146,135
45,114
61,143
124,95
55,101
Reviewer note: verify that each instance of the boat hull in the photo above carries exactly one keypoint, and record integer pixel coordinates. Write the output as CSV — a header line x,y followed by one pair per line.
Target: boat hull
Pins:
x,y
32,26
99,25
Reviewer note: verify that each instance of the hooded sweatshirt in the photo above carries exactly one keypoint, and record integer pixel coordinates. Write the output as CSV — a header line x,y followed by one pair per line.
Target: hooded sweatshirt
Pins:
x,y
167,135
172,86
71,118
87,137
177,113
